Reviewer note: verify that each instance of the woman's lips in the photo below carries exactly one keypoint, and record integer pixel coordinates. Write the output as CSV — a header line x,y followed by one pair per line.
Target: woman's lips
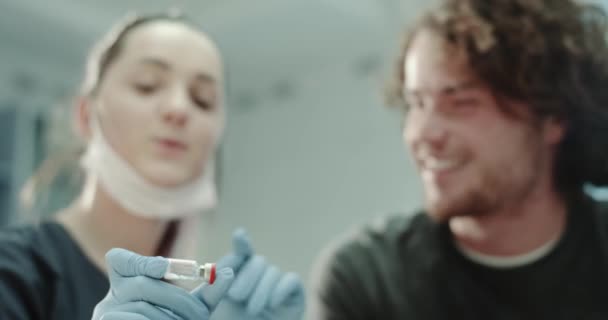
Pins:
x,y
173,145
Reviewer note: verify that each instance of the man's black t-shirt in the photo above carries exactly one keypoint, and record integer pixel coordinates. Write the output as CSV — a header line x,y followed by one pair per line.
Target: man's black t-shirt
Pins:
x,y
45,275
407,267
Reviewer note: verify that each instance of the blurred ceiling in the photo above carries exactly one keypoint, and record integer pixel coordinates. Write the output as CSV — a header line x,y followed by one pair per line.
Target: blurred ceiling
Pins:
x,y
264,41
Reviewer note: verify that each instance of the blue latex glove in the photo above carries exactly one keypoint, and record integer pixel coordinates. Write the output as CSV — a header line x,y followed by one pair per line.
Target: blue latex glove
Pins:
x,y
137,293
260,290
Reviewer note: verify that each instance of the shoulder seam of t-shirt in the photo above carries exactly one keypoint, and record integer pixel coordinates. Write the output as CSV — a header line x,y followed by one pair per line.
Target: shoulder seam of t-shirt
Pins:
x,y
33,242
384,228
389,227
14,240
21,258
56,232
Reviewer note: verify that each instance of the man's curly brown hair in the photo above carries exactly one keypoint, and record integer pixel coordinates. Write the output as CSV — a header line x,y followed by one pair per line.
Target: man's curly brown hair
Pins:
x,y
551,54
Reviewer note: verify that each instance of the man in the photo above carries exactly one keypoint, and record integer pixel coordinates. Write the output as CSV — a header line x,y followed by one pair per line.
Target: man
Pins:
x,y
506,119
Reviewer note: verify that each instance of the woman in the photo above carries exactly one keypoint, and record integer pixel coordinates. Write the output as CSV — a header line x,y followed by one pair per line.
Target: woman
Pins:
x,y
151,113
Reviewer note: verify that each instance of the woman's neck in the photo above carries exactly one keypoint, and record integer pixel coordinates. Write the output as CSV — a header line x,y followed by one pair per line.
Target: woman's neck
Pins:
x,y
98,223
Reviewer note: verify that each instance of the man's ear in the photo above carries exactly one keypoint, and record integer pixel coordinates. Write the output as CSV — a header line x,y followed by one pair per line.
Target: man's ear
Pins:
x,y
82,118
554,130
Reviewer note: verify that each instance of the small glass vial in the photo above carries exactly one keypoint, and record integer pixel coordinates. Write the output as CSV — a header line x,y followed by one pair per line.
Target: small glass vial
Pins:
x,y
180,269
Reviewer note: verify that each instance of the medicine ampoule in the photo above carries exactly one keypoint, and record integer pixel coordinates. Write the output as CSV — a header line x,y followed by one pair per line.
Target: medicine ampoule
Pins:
x,y
180,269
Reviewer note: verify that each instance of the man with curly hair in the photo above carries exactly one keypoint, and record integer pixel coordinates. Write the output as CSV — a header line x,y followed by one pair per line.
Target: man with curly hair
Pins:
x,y
505,106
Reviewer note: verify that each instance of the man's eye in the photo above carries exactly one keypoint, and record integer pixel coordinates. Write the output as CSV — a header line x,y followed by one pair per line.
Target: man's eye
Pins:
x,y
465,102
145,88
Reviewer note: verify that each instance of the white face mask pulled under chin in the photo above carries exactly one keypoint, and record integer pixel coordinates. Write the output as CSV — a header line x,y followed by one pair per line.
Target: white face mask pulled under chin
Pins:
x,y
139,196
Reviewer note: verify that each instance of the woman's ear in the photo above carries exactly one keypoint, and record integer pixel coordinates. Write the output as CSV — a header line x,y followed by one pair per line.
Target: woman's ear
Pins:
x,y
82,117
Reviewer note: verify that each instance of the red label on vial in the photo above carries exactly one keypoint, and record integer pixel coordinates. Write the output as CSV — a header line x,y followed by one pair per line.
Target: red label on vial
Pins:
x,y
212,275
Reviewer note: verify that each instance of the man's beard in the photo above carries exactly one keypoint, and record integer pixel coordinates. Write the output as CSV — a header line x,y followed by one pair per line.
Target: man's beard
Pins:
x,y
493,190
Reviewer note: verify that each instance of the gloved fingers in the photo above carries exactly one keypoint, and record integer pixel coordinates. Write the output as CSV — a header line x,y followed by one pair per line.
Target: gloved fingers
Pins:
x,y
124,263
124,316
228,309
247,279
289,287
160,294
243,250
241,243
143,309
211,295
263,291
232,261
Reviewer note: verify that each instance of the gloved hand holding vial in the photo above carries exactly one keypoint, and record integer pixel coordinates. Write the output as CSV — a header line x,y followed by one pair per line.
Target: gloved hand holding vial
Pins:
x,y
139,289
